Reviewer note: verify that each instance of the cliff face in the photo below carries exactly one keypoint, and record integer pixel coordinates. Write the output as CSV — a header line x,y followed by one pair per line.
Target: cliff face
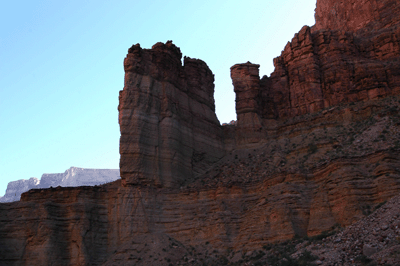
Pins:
x,y
330,63
315,146
169,130
251,198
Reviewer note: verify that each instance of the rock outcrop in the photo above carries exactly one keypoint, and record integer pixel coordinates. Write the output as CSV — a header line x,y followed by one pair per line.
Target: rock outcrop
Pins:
x,y
316,146
169,129
73,177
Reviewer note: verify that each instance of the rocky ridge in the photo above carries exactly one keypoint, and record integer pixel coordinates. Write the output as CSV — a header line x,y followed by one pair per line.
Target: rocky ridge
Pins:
x,y
73,177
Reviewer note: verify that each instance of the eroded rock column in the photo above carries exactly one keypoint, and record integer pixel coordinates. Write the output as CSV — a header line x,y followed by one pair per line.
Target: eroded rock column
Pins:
x,y
169,130
246,83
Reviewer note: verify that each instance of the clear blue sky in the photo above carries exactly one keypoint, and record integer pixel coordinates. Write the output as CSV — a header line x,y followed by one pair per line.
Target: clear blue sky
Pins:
x,y
61,68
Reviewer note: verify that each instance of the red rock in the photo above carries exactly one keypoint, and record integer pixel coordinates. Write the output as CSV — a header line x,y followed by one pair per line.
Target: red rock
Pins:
x,y
169,130
190,184
330,63
354,15
246,82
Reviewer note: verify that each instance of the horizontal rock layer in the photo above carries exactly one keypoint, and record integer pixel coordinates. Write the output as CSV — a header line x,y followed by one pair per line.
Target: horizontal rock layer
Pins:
x,y
87,225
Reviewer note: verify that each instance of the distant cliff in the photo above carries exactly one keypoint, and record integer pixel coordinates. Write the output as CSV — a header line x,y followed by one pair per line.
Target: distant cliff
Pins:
x,y
73,177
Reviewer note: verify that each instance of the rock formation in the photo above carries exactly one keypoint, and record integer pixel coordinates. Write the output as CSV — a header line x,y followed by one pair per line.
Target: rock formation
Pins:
x,y
316,146
73,177
169,129
246,83
338,60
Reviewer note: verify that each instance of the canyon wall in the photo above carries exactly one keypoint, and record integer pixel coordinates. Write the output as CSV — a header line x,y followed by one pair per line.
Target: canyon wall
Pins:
x,y
316,146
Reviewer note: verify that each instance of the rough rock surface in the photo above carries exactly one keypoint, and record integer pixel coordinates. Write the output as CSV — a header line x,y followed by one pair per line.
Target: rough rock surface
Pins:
x,y
316,147
375,238
327,64
73,177
169,129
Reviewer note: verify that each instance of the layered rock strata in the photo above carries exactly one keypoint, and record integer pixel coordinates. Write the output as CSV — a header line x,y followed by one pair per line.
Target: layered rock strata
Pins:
x,y
169,130
316,146
313,175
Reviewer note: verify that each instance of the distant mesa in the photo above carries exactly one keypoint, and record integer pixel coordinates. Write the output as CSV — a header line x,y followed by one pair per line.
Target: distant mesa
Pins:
x,y
73,177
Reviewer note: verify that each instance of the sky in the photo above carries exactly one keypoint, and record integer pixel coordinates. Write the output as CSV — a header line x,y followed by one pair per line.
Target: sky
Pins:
x,y
61,68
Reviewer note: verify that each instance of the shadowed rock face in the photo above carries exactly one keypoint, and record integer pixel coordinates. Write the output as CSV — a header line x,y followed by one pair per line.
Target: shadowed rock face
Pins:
x,y
316,145
169,130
